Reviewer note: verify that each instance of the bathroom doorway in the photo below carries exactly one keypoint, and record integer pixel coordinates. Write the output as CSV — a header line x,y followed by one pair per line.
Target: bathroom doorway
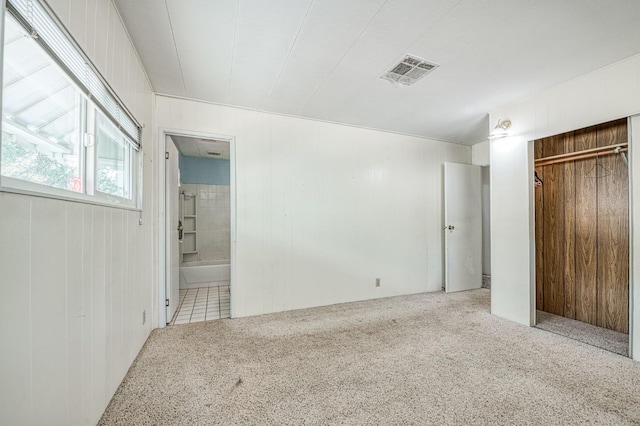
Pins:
x,y
198,220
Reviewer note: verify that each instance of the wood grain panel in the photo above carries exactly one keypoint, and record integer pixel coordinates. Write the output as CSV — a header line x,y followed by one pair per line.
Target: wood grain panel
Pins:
x,y
613,233
553,239
553,217
569,231
611,133
585,229
537,149
582,229
539,230
553,145
585,138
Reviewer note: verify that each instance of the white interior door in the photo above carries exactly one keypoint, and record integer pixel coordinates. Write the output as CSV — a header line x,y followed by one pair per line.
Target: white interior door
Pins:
x,y
462,227
172,216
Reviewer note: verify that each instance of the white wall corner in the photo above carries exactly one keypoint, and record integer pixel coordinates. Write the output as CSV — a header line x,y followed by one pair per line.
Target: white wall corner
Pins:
x,y
511,211
480,154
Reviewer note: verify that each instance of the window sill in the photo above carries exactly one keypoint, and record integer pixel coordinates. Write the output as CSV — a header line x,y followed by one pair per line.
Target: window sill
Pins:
x,y
34,190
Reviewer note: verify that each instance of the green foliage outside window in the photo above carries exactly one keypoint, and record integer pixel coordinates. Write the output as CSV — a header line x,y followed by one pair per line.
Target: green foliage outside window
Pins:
x,y
19,161
24,163
107,183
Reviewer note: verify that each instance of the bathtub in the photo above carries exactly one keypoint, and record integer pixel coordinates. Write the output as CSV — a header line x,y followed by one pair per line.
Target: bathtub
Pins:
x,y
205,273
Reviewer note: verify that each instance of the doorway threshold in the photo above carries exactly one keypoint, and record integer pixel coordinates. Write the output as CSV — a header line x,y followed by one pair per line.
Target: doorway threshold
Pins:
x,y
609,340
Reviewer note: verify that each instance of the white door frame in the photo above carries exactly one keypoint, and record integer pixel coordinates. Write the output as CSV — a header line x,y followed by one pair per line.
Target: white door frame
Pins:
x,y
162,249
172,234
634,293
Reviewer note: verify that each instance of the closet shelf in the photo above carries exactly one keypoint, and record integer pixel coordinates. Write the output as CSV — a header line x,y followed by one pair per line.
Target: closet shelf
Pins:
x,y
189,215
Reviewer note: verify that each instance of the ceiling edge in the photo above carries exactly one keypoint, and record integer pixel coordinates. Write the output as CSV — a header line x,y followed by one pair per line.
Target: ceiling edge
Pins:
x,y
185,98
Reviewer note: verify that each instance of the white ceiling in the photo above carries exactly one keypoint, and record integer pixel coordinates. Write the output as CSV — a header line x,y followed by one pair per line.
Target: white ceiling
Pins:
x,y
196,147
323,58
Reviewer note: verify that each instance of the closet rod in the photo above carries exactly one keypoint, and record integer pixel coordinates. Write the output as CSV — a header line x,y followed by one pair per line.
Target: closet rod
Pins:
x,y
581,155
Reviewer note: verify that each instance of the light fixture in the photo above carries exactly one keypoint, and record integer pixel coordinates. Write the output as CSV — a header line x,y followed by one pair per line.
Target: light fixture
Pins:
x,y
500,131
503,124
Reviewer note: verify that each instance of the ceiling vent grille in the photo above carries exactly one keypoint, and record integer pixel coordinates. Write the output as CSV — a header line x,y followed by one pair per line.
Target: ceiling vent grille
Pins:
x,y
409,70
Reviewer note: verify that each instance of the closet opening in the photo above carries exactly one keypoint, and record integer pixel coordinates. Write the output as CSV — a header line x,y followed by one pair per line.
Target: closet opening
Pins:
x,y
582,235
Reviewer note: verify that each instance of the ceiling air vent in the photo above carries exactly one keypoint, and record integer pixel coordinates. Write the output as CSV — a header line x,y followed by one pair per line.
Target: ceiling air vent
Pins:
x,y
410,70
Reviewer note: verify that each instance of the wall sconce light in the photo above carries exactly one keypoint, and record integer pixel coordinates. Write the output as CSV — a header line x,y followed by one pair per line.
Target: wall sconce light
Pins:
x,y
500,131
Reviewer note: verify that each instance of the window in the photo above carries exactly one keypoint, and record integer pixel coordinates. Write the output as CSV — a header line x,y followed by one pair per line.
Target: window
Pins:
x,y
113,163
41,109
59,136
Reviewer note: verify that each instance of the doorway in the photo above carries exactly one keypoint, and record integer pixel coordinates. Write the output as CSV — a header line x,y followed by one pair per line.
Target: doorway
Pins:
x,y
463,227
197,245
582,235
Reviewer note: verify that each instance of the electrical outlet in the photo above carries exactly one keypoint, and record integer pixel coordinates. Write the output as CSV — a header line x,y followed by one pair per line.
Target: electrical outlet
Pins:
x,y
377,282
144,316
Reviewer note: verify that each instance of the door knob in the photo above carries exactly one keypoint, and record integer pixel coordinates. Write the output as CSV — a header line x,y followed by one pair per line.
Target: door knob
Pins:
x,y
450,227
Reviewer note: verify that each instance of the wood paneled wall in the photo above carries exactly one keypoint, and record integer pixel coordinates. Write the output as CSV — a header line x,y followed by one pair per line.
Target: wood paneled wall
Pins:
x,y
582,229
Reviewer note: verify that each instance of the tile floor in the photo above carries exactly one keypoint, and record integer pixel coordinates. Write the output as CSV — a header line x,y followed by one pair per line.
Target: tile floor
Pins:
x,y
203,304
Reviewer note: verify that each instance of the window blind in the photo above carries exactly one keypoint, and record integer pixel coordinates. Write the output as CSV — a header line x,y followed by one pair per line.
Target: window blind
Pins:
x,y
51,35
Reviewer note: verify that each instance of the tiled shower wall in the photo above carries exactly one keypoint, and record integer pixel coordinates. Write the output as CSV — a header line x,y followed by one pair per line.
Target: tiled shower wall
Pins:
x,y
213,226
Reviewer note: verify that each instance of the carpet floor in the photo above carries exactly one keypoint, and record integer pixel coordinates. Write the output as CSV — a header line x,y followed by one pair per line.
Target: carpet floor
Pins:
x,y
423,359
596,336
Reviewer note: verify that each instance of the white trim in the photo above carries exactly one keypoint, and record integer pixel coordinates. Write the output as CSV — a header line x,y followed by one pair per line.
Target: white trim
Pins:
x,y
34,190
3,10
532,232
162,134
630,174
634,288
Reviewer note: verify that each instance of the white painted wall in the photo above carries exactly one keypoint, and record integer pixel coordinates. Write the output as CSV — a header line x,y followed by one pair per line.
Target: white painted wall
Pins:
x,y
480,153
603,95
75,278
324,209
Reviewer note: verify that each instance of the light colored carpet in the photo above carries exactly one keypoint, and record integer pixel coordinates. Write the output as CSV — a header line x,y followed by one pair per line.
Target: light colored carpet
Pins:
x,y
423,359
597,336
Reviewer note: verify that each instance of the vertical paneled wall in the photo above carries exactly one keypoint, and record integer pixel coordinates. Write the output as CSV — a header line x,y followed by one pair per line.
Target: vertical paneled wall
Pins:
x,y
582,229
322,210
76,278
